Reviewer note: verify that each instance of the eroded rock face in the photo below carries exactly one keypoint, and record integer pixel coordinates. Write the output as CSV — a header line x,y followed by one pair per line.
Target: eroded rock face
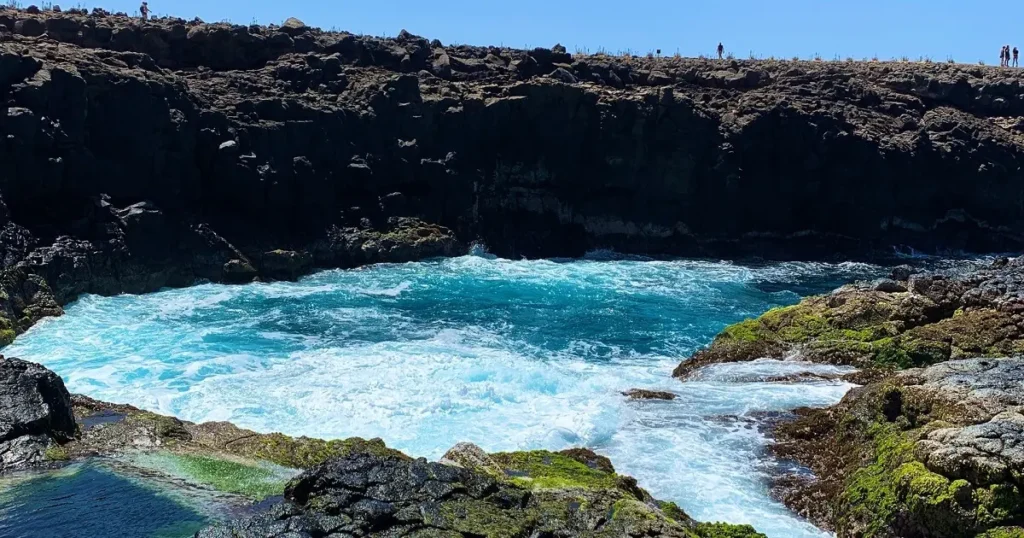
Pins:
x,y
269,133
934,452
518,494
922,319
141,155
35,413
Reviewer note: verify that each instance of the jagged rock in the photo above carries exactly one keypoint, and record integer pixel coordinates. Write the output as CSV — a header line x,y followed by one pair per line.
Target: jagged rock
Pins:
x,y
590,458
262,82
400,240
644,394
563,75
934,452
364,493
293,26
927,319
35,413
888,286
285,264
239,271
470,456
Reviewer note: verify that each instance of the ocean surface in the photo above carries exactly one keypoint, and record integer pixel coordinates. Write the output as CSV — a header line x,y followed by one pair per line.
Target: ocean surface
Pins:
x,y
506,354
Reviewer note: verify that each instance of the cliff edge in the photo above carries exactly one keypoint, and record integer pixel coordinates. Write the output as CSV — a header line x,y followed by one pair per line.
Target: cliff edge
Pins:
x,y
137,155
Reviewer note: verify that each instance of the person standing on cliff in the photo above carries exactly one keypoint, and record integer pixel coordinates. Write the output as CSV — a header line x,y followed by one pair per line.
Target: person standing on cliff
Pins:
x,y
1015,54
721,50
144,10
1002,57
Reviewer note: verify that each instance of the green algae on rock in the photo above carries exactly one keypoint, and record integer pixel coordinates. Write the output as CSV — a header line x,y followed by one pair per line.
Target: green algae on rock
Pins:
x,y
256,480
931,452
540,469
216,455
725,530
135,429
1004,532
924,319
504,495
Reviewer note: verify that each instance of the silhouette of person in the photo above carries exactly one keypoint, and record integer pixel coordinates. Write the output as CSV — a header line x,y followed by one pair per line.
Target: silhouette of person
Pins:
x,y
1015,54
144,10
721,50
1002,56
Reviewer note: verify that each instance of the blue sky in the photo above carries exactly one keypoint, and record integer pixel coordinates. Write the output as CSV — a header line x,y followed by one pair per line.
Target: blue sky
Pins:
x,y
967,31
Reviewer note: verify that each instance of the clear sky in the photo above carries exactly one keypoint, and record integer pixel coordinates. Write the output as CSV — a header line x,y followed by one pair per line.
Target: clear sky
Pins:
x,y
966,30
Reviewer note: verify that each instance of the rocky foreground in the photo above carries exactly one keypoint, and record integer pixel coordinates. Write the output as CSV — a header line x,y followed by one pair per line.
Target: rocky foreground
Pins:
x,y
351,487
933,444
141,155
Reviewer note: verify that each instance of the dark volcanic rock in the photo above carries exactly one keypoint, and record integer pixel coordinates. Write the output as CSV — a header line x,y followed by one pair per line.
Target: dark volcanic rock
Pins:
x,y
285,264
144,154
372,495
926,319
644,394
35,413
934,452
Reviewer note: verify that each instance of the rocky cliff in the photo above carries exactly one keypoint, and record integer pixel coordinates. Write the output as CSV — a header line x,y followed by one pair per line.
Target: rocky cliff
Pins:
x,y
136,155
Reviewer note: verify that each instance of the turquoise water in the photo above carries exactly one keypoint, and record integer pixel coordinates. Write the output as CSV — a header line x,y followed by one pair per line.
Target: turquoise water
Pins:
x,y
506,354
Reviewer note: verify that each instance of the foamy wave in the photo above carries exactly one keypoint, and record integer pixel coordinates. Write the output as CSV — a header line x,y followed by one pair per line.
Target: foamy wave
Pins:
x,y
506,354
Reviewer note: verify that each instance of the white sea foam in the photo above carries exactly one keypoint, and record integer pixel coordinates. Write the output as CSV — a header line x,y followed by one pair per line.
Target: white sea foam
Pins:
x,y
506,354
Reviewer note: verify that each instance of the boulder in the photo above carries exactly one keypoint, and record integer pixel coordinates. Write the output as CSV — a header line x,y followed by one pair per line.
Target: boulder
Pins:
x,y
239,271
644,394
563,75
887,285
294,27
35,413
470,456
285,264
30,27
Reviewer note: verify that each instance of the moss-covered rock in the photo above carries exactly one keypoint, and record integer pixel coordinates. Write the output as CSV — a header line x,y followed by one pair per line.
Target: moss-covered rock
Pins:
x,y
725,530
925,453
1004,532
304,452
505,495
540,469
221,472
925,320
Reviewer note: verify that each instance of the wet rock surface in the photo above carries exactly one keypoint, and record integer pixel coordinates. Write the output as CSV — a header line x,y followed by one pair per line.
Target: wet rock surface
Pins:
x,y
922,319
145,154
932,452
515,494
35,413
645,394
